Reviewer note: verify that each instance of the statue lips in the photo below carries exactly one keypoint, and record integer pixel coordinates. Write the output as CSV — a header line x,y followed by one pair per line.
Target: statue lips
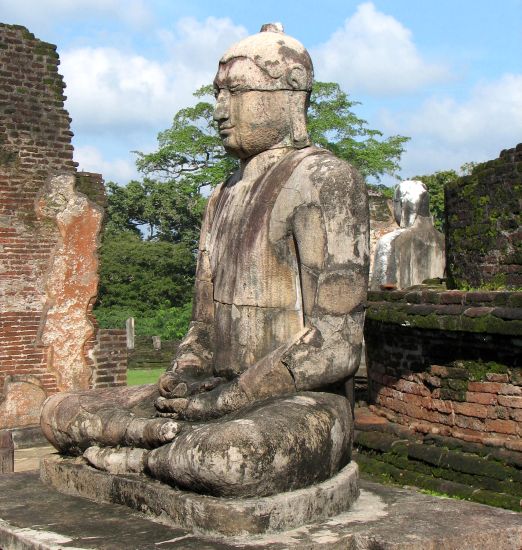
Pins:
x,y
225,131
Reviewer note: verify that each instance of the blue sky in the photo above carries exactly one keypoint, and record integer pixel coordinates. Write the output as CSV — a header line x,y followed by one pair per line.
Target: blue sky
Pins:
x,y
447,73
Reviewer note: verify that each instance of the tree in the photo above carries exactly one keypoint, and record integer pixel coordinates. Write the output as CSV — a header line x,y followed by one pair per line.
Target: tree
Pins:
x,y
142,276
334,126
156,210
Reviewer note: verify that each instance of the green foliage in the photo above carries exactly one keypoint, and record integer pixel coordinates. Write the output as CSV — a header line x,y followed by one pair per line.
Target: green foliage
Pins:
x,y
334,126
478,370
144,275
158,210
190,151
155,209
169,323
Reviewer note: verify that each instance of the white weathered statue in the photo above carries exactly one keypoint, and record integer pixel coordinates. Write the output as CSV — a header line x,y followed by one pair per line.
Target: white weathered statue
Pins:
x,y
413,252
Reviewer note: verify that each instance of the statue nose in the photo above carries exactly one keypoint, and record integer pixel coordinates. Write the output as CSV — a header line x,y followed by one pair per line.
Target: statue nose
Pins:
x,y
222,110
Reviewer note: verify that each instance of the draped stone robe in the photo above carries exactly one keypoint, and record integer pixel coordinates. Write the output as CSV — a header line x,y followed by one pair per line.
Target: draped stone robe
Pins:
x,y
282,268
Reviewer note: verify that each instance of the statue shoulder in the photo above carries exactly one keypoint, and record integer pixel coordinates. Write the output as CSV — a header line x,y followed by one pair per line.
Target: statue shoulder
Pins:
x,y
321,172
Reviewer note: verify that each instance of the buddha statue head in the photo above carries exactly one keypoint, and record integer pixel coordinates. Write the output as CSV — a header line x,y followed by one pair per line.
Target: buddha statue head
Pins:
x,y
262,89
410,200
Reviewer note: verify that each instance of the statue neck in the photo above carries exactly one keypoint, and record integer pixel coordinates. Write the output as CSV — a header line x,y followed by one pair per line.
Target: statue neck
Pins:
x,y
254,167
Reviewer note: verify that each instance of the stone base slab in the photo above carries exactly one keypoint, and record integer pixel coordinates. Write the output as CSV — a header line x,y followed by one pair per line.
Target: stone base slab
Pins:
x,y
201,513
33,516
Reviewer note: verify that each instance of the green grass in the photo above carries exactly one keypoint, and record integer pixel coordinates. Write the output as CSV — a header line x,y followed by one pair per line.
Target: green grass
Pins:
x,y
135,377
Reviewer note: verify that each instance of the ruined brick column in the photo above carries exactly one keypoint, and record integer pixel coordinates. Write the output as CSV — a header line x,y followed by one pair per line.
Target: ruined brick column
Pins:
x,y
50,220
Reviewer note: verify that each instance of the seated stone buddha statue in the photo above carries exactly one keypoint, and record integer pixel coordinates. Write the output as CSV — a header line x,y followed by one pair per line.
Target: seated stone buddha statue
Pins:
x,y
282,273
414,251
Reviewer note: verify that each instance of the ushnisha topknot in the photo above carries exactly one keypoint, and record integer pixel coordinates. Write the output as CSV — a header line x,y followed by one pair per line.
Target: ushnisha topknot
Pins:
x,y
282,57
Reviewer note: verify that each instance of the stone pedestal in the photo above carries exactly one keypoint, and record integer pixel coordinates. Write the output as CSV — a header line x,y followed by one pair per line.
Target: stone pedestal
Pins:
x,y
34,515
201,513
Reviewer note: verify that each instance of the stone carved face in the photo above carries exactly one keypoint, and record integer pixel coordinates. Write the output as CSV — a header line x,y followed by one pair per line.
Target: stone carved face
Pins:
x,y
410,199
262,90
252,116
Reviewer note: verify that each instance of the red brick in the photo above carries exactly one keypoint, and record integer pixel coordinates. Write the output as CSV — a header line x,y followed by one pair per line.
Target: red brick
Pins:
x,y
516,414
501,426
412,388
437,370
471,409
513,401
467,434
469,422
510,389
485,387
513,445
482,398
442,405
494,377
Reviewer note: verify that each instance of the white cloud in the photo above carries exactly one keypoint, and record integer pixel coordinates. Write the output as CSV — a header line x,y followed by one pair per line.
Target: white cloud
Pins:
x,y
47,12
374,53
447,133
492,112
110,90
90,159
198,45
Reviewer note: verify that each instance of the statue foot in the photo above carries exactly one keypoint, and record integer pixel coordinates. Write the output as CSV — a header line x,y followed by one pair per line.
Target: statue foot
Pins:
x,y
74,421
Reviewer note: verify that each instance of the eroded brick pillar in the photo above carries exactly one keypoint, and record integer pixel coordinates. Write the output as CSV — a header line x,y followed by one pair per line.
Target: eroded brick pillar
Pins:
x,y
50,219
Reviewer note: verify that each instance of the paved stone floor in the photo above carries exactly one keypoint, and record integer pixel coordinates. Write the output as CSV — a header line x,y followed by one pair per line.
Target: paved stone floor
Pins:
x,y
35,516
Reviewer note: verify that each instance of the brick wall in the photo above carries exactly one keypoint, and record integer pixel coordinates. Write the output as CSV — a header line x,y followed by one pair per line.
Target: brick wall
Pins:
x,y
110,357
448,363
50,219
484,225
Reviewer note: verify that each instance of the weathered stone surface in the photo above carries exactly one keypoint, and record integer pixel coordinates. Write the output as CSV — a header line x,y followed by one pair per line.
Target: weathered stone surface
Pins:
x,y
279,308
33,514
415,251
21,402
6,452
382,220
71,281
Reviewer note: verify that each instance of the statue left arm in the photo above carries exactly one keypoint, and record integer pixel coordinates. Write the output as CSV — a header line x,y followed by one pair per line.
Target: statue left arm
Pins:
x,y
330,233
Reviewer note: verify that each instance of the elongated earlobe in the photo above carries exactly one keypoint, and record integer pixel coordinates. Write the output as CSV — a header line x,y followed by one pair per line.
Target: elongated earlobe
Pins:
x,y
297,107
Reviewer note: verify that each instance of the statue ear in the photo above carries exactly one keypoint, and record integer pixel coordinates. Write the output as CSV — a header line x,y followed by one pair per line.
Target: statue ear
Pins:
x,y
296,77
297,106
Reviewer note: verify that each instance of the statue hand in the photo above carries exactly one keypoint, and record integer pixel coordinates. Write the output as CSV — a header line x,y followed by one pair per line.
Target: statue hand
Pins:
x,y
214,403
267,378
174,384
